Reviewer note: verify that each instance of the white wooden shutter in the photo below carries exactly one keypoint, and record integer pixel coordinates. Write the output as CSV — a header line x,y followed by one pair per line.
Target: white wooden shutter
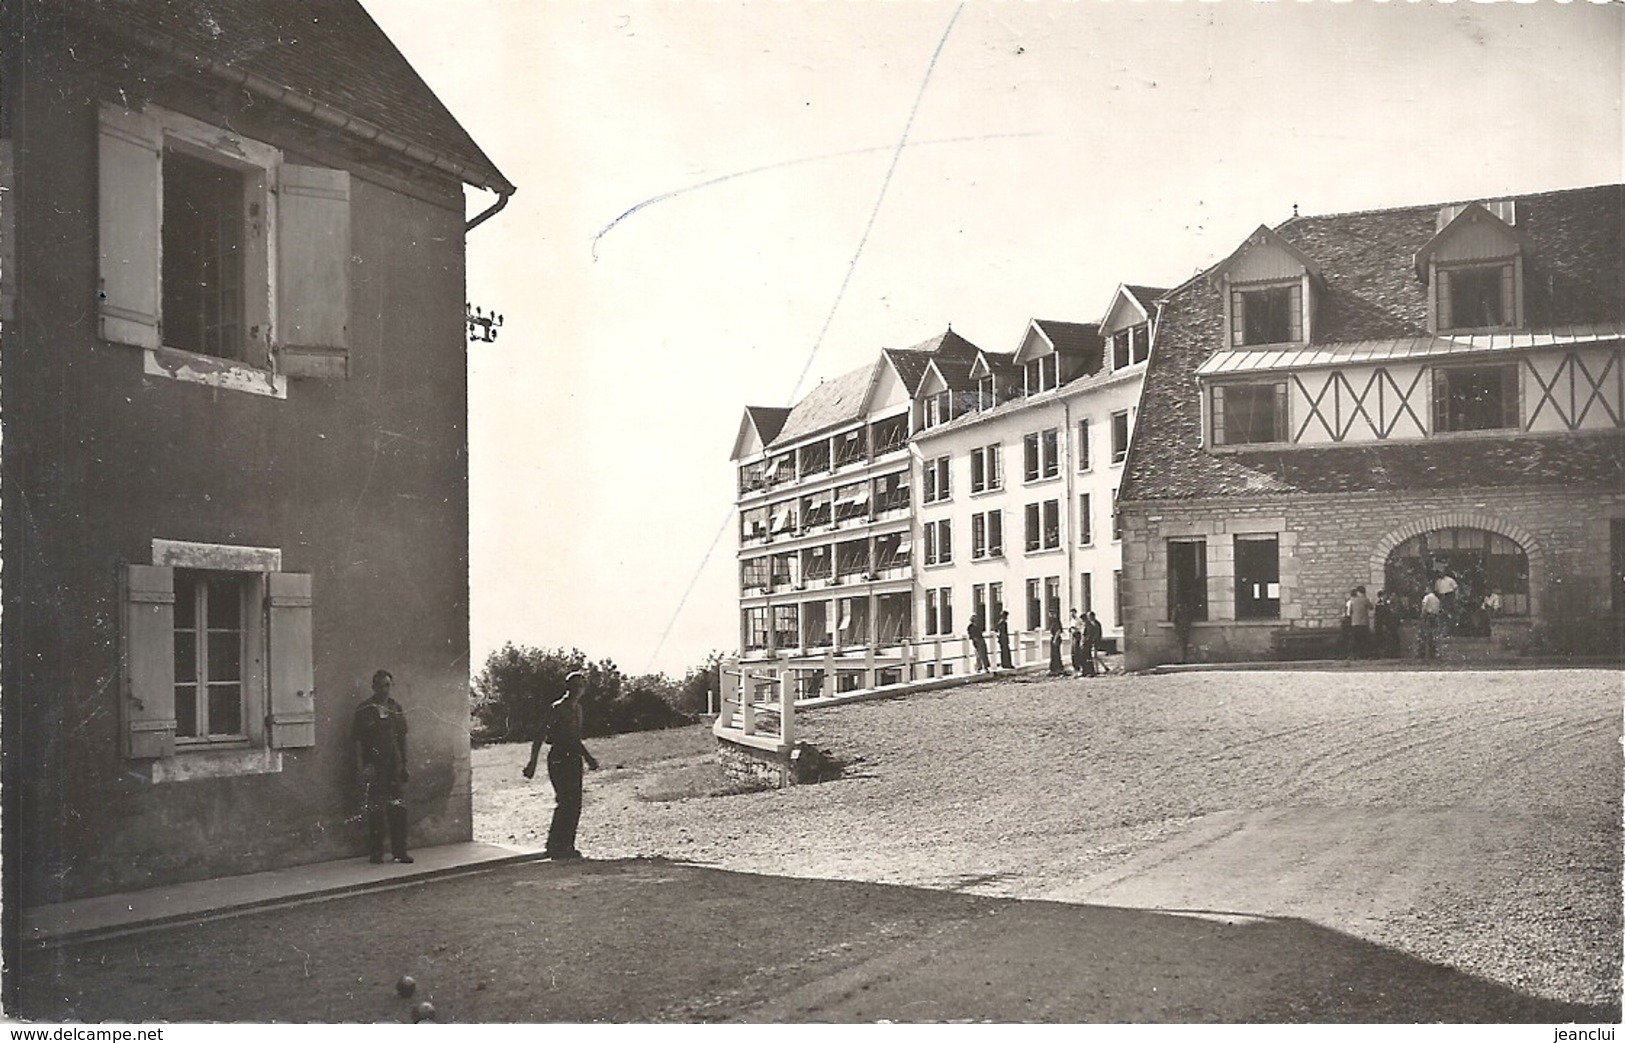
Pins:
x,y
147,706
313,271
130,208
291,718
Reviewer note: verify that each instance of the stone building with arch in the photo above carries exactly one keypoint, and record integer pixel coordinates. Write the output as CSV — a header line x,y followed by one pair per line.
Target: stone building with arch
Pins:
x,y
1380,399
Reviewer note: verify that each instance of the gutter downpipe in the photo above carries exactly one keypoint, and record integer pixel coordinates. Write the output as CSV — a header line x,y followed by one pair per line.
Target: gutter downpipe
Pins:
x,y
488,213
1071,500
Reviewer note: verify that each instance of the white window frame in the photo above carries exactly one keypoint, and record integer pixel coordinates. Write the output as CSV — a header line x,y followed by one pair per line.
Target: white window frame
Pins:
x,y
1120,453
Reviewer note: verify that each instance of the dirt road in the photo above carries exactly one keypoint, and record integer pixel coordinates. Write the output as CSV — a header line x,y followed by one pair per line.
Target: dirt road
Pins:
x,y
1294,847
1465,818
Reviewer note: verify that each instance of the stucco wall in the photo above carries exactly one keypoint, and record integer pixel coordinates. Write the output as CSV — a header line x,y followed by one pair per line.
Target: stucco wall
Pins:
x,y
1330,544
360,482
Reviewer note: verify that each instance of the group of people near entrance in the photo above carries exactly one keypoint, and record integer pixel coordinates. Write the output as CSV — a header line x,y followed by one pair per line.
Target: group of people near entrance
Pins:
x,y
379,735
1086,631
1371,628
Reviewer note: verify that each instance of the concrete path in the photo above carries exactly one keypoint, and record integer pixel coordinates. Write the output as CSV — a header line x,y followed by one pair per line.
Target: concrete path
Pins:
x,y
106,915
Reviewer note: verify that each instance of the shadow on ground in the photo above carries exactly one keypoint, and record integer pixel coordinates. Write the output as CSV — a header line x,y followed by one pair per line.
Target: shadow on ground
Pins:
x,y
649,941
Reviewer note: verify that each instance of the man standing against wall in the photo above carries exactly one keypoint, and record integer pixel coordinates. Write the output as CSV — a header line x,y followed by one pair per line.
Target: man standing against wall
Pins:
x,y
561,727
380,757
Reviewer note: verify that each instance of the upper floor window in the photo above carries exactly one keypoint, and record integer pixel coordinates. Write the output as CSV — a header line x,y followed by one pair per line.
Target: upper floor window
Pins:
x,y
192,220
984,393
1043,531
1041,454
936,483
1267,315
1475,398
1476,297
986,469
1119,436
1245,414
1083,445
987,534
938,409
939,542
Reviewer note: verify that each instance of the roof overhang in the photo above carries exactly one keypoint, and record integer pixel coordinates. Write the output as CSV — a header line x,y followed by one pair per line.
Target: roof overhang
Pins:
x,y
1262,236
1407,349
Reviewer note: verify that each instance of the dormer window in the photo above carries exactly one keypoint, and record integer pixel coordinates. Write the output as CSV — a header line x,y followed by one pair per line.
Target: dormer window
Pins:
x,y
1043,373
1130,346
984,393
1267,315
1473,269
937,410
1476,297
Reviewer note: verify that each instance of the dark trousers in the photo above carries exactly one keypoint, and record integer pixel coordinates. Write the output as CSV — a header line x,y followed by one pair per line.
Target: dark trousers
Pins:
x,y
1056,667
979,643
1004,650
386,808
564,771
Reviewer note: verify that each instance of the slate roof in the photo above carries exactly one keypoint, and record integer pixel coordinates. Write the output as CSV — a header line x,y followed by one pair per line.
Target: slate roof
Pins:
x,y
833,402
844,398
328,51
1574,264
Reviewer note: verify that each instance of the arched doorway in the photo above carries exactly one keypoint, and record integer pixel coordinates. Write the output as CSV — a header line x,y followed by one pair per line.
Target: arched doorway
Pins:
x,y
1490,574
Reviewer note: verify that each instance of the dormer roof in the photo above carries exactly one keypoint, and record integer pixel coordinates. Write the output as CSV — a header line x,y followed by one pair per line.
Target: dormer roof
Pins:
x,y
1044,336
1493,235
759,426
1262,238
1138,300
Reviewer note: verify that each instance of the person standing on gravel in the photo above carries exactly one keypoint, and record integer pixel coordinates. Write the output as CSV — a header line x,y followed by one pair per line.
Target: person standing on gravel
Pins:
x,y
1357,621
1056,667
1082,665
561,728
379,734
1005,662
1427,627
977,632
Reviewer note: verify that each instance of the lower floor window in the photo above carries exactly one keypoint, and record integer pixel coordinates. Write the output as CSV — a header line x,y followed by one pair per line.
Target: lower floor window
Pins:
x,y
209,637
1187,580
1258,576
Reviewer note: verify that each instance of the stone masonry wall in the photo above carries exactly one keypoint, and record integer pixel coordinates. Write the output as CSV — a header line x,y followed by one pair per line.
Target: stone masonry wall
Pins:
x,y
1329,544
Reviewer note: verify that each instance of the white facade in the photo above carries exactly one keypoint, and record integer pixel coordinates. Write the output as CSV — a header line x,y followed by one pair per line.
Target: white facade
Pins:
x,y
1057,549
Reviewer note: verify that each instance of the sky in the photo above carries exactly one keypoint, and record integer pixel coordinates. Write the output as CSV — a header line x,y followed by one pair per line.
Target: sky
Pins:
x,y
805,182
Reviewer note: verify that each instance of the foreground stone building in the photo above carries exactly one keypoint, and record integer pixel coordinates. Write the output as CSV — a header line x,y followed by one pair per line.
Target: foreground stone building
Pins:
x,y
1381,399
236,478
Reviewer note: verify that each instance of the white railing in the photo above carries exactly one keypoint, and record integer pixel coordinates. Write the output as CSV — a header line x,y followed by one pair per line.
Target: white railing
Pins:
x,y
746,715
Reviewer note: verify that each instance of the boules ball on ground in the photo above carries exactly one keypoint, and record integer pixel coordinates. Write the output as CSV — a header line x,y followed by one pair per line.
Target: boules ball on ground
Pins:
x,y
406,986
423,1012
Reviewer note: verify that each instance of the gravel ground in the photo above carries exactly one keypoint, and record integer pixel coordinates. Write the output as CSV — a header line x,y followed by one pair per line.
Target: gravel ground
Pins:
x,y
1470,819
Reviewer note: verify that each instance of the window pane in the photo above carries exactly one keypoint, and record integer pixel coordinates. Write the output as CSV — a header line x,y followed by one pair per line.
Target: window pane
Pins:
x,y
185,656
225,603
1250,414
185,711
225,709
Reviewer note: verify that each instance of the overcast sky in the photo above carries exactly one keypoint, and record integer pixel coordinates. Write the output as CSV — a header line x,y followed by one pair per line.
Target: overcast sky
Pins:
x,y
1052,151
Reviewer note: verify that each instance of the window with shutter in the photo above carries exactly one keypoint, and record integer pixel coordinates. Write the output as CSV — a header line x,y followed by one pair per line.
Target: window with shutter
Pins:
x,y
292,716
148,702
189,218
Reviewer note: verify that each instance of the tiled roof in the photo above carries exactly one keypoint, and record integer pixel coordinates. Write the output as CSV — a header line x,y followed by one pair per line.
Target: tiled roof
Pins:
x,y
1071,337
911,362
832,402
769,421
910,366
1574,276
327,51
1147,296
955,371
